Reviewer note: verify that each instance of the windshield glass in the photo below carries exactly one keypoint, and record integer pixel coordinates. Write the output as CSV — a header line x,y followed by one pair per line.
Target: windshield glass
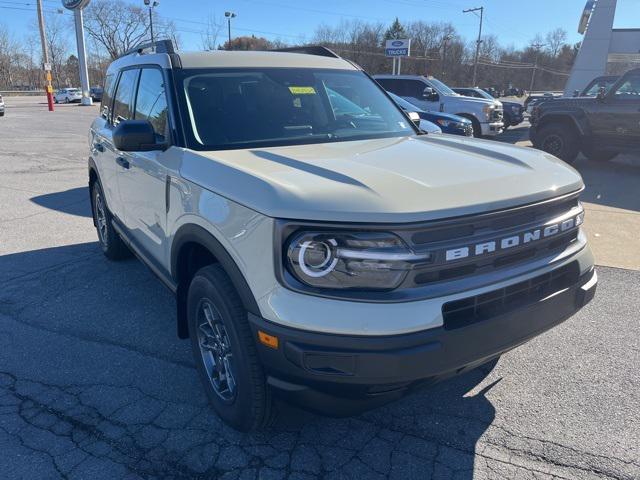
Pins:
x,y
245,108
441,87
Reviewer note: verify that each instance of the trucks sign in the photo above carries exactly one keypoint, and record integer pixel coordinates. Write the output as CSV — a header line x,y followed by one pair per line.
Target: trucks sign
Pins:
x,y
397,47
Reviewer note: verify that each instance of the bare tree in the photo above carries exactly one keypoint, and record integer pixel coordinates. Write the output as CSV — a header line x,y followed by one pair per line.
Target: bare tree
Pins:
x,y
117,26
555,40
58,45
209,38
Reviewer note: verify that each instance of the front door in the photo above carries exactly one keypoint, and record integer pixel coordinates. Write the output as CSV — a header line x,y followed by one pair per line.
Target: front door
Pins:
x,y
143,184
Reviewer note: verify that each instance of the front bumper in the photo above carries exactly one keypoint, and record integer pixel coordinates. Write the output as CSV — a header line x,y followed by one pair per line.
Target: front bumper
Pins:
x,y
342,375
493,128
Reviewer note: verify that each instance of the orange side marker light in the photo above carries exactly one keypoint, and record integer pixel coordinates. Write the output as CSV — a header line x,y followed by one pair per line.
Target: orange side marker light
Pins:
x,y
268,340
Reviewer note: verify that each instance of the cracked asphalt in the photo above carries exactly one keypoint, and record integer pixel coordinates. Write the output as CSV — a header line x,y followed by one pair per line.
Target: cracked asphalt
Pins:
x,y
95,384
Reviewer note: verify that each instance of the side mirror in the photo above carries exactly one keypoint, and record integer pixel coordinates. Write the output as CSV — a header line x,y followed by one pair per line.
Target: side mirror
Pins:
x,y
602,93
430,94
576,93
135,136
415,118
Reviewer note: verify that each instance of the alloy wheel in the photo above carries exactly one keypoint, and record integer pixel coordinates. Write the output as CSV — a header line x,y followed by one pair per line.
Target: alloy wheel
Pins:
x,y
553,144
101,219
215,350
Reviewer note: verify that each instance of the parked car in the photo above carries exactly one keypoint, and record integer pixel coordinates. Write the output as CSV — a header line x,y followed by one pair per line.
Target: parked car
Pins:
x,y
445,122
1,106
513,112
337,261
430,94
599,127
67,95
96,94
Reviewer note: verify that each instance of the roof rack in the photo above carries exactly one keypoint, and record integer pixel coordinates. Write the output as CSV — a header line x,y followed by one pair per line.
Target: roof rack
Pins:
x,y
318,50
159,46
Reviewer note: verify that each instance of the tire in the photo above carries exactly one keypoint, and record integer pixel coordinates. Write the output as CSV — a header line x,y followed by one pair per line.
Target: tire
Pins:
x,y
599,155
214,308
559,140
110,242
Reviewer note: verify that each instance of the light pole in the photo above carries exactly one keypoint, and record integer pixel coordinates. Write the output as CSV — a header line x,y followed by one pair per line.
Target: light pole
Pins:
x,y
229,16
475,64
151,6
447,38
536,47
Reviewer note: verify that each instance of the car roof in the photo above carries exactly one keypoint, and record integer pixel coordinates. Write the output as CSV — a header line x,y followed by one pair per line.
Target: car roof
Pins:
x,y
233,59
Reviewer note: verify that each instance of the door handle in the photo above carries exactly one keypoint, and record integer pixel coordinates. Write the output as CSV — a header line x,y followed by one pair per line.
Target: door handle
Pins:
x,y
99,147
122,162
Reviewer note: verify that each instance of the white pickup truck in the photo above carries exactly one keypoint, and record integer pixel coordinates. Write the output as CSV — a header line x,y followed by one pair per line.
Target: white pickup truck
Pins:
x,y
431,94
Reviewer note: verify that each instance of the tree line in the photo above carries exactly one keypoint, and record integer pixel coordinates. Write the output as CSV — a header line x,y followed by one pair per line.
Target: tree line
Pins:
x,y
113,27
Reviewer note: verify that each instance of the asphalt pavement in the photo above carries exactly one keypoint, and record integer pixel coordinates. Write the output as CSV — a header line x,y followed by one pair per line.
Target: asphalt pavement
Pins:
x,y
95,384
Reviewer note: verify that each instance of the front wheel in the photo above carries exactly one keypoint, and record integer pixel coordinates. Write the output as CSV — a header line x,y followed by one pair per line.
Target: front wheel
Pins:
x,y
110,242
225,351
559,140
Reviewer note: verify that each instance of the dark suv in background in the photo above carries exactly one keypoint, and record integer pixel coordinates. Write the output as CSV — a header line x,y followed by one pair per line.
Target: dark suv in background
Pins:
x,y
600,127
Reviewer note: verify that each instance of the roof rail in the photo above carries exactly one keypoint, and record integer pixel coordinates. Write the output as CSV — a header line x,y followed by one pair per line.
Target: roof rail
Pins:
x,y
318,50
159,46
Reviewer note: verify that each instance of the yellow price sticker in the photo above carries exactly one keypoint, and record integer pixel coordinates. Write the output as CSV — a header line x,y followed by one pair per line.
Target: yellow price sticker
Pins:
x,y
302,90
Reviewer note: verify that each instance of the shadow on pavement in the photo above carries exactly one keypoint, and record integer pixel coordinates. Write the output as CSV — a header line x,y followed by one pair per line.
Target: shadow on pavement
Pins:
x,y
107,375
74,201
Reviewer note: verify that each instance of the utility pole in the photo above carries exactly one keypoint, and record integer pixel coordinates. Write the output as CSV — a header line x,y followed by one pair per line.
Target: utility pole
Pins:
x,y
536,47
479,41
445,42
229,16
45,56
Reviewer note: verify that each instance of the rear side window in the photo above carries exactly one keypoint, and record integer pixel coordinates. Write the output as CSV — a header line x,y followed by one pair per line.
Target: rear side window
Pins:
x,y
123,104
105,104
151,101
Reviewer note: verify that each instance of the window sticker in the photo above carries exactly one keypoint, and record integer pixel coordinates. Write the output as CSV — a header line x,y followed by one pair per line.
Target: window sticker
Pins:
x,y
302,90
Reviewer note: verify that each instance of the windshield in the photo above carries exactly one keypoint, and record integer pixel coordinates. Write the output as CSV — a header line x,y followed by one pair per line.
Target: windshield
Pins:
x,y
245,108
441,87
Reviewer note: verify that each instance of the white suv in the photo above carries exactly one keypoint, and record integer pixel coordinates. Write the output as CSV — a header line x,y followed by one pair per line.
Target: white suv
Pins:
x,y
320,247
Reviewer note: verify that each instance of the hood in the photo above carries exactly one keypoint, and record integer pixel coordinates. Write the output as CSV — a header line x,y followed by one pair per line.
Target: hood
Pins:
x,y
432,116
393,180
468,100
565,103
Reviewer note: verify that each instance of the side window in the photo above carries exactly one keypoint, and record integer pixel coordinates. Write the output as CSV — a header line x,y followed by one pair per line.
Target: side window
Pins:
x,y
629,89
414,88
151,101
392,85
105,104
123,105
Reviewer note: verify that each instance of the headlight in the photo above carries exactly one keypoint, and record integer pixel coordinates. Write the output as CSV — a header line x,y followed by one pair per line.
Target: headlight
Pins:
x,y
350,260
487,109
444,123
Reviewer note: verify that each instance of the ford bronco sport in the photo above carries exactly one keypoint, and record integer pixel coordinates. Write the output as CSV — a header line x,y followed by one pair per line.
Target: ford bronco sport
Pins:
x,y
334,256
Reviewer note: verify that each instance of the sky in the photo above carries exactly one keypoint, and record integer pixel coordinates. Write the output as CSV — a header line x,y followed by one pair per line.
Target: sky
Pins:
x,y
515,22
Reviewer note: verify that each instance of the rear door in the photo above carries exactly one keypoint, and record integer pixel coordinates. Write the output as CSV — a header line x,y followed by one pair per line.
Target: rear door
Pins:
x,y
143,185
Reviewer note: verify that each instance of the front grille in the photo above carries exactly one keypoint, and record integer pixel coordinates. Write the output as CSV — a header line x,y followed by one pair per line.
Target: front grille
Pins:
x,y
464,312
439,238
496,115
